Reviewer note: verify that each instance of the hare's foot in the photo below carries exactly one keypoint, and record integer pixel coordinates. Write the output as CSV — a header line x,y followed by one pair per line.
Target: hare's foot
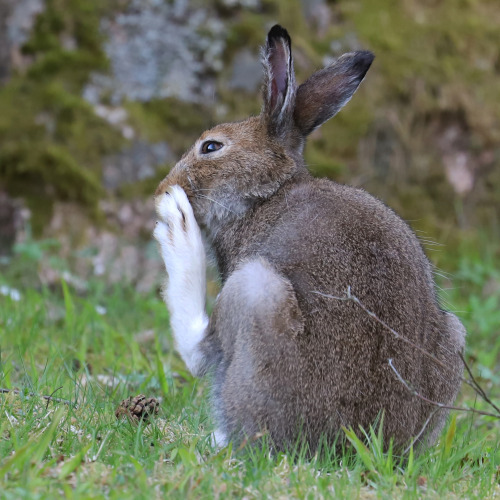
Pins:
x,y
258,322
218,439
183,253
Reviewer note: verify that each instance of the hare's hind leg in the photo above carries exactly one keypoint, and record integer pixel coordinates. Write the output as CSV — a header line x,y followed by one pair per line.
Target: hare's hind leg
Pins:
x,y
444,385
257,321
184,256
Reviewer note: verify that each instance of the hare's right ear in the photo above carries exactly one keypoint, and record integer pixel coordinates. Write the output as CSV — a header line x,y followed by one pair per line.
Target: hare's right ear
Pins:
x,y
279,82
323,95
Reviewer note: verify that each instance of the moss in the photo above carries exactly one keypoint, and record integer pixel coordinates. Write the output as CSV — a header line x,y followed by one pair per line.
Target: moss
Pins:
x,y
434,59
78,19
344,132
322,164
55,147
144,188
70,68
52,141
43,173
45,35
450,47
245,32
176,122
291,15
179,123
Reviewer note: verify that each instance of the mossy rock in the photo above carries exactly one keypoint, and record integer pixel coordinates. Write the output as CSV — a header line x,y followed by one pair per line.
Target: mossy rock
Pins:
x,y
52,141
179,123
433,59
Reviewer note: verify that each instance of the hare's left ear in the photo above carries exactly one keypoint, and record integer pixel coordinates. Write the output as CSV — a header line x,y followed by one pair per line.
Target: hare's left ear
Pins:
x,y
279,83
328,90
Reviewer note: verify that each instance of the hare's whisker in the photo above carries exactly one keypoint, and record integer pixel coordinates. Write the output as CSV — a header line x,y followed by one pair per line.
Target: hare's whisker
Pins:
x,y
218,203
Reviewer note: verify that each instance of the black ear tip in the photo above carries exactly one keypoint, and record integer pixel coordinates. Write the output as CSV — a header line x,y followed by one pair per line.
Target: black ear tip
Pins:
x,y
363,60
276,32
366,56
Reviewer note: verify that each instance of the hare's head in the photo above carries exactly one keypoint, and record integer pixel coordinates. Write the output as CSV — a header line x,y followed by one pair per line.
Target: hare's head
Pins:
x,y
233,166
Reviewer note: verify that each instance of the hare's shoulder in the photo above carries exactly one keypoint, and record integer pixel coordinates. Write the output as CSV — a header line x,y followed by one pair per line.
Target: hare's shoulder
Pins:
x,y
332,235
322,204
332,223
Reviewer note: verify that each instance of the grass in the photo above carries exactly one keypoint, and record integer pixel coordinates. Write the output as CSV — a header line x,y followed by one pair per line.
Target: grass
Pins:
x,y
98,347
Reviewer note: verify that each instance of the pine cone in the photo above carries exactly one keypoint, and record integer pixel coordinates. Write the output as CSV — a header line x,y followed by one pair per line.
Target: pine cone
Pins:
x,y
137,408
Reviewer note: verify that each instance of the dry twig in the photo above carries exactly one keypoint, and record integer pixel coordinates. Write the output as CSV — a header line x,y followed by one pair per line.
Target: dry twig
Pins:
x,y
472,382
475,384
354,299
422,430
435,403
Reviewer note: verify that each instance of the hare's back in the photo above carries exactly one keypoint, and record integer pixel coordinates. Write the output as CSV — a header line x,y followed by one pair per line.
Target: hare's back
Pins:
x,y
331,238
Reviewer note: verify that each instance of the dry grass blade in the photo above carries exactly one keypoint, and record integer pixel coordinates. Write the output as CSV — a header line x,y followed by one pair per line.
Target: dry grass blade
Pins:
x,y
47,398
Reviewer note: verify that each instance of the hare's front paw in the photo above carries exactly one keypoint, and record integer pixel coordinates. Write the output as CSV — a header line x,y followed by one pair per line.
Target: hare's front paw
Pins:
x,y
183,253
180,241
178,233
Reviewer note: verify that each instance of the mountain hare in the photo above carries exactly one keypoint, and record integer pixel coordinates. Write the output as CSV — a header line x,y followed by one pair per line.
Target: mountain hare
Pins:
x,y
314,277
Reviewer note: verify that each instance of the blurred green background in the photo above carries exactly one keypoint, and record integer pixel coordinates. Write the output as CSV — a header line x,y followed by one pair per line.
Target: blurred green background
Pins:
x,y
99,99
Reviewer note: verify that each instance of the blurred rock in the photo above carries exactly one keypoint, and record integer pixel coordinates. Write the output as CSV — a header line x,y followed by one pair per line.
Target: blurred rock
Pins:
x,y
247,71
457,160
160,49
13,217
422,132
348,43
16,20
248,4
135,163
22,19
125,252
5,61
318,15
116,116
459,172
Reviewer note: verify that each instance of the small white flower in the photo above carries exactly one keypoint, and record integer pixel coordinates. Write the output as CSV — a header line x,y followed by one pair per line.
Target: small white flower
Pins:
x,y
101,310
10,292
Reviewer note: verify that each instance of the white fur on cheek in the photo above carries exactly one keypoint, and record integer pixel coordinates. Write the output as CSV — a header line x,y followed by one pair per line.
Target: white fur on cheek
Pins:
x,y
182,251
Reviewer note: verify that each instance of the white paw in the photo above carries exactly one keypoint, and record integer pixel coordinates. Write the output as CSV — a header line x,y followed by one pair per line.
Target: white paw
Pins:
x,y
177,232
183,253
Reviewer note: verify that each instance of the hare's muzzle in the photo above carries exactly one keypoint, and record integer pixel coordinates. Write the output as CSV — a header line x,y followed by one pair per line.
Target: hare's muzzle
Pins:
x,y
176,177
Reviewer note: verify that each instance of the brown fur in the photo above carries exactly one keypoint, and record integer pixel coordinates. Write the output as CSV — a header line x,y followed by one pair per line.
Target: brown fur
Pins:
x,y
285,357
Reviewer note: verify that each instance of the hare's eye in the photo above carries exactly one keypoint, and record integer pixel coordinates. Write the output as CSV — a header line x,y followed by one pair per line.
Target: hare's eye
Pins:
x,y
210,147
